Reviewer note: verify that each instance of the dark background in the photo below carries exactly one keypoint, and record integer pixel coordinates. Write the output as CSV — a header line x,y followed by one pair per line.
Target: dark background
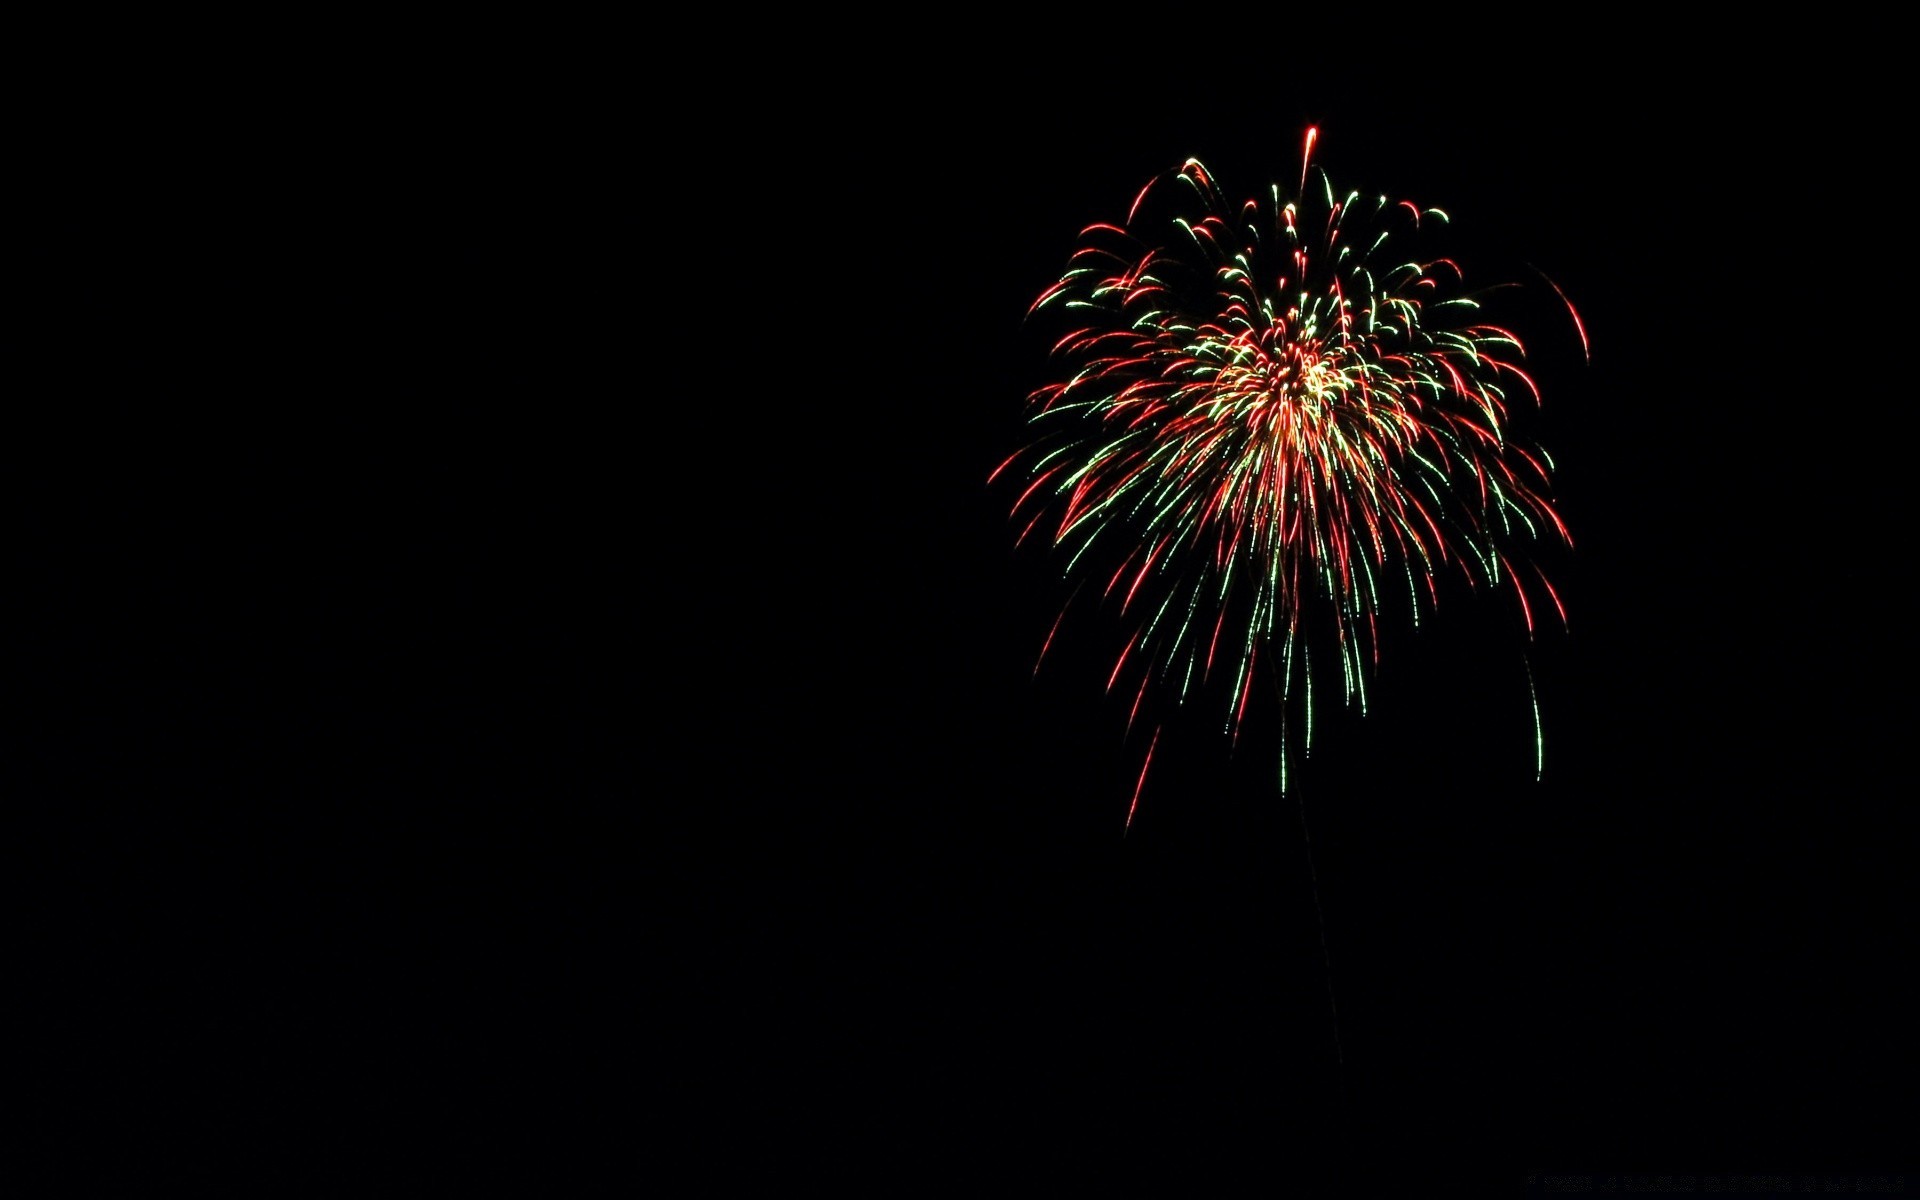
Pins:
x,y
523,668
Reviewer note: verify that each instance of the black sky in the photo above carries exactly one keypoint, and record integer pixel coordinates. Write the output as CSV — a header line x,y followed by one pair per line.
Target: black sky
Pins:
x,y
524,667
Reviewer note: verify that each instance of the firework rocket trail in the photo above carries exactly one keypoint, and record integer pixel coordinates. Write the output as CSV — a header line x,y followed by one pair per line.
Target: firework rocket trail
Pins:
x,y
1274,419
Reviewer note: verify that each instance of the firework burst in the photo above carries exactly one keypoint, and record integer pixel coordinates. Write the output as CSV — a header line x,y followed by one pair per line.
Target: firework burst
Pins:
x,y
1276,419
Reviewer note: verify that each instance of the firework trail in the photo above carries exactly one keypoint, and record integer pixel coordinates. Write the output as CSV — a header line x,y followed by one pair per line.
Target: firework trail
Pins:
x,y
1275,420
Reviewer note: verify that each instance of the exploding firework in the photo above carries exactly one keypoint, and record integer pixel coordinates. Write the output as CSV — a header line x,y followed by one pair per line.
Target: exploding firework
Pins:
x,y
1273,423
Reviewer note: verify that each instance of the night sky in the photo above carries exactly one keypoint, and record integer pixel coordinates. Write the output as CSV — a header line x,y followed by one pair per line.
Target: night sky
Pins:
x,y
524,668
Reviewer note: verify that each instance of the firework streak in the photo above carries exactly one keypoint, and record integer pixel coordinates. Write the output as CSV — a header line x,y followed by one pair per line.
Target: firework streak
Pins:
x,y
1275,421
